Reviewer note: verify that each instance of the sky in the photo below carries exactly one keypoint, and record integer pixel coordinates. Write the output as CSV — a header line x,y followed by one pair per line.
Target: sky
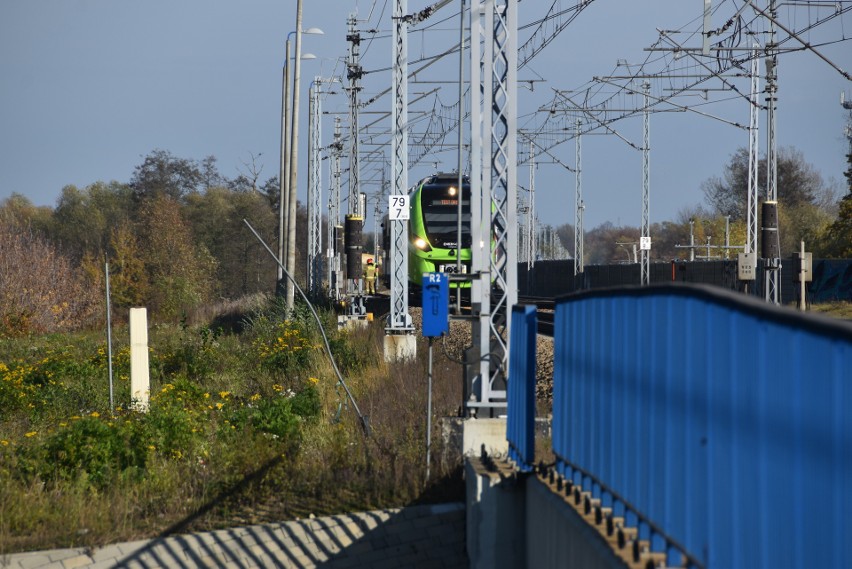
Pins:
x,y
90,87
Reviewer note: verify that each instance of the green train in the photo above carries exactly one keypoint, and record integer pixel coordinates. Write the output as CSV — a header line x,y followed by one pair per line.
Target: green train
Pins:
x,y
433,229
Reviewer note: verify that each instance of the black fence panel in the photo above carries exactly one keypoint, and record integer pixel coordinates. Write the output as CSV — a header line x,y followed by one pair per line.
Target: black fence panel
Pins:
x,y
832,278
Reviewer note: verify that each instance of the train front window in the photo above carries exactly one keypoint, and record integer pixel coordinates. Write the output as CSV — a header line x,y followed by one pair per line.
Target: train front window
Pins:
x,y
440,216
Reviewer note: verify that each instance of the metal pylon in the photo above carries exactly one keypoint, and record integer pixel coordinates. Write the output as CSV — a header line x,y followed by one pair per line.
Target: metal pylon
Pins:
x,y
646,187
578,202
497,291
399,320
753,158
314,267
354,73
333,256
772,266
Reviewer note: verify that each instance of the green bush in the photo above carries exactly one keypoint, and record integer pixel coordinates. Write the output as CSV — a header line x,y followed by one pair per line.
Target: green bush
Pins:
x,y
94,450
280,415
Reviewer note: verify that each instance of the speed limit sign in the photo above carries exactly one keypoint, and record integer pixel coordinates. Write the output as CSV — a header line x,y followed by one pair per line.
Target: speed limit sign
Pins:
x,y
398,207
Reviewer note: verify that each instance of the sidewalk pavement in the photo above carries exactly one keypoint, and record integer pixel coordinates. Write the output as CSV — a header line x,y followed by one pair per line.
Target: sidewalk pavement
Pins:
x,y
415,537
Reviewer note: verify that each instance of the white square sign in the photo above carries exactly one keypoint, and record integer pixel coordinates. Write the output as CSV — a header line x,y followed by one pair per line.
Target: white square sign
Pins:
x,y
398,207
645,243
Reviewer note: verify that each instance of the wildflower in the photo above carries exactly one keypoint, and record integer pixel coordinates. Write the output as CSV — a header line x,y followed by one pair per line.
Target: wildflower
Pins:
x,y
94,414
277,387
224,394
31,434
314,380
255,397
219,406
4,443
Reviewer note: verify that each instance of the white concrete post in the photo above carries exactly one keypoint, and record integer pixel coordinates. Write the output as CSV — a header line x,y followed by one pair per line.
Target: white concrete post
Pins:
x,y
140,380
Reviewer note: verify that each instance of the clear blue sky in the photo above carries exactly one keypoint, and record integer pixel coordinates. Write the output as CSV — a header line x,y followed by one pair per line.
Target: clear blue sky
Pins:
x,y
89,87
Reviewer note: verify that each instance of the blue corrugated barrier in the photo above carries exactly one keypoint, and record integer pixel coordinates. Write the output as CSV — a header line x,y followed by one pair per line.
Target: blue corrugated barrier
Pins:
x,y
718,426
520,420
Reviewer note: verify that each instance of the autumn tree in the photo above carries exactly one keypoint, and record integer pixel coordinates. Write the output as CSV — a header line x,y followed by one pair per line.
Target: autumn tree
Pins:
x,y
181,271
805,201
41,290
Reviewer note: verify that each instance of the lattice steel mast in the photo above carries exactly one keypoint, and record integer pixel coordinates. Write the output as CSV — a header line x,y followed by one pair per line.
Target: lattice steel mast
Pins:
x,y
399,320
772,264
314,268
496,139
753,158
578,201
645,239
334,213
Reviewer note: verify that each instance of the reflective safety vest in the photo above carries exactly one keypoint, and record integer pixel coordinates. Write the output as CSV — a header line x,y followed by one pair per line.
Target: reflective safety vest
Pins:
x,y
371,271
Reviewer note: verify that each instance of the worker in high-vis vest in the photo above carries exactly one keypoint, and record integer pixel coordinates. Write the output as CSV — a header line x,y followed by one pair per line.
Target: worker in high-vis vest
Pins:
x,y
371,271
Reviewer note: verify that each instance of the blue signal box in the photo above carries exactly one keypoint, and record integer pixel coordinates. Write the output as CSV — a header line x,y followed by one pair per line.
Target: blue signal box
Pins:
x,y
436,304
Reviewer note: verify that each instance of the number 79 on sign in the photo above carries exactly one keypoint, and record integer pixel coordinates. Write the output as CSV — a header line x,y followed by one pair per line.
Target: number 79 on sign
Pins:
x,y
398,207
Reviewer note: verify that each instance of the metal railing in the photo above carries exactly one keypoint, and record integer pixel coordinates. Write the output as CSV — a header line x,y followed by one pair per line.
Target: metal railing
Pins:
x,y
717,426
520,420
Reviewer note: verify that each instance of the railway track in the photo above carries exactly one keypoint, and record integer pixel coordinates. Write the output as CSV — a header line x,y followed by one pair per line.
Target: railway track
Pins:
x,y
379,304
545,312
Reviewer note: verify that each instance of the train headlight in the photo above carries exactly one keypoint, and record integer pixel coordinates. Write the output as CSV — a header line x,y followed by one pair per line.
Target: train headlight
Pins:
x,y
452,190
422,244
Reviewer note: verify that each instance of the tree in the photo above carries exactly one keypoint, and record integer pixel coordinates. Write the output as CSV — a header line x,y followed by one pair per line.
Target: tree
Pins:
x,y
243,266
18,211
129,283
41,290
181,271
83,219
837,239
161,173
798,183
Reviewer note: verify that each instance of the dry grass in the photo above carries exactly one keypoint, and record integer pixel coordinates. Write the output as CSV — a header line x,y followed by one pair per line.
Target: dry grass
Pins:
x,y
838,309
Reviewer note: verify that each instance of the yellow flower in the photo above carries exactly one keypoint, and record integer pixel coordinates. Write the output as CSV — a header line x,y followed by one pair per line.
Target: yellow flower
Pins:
x,y
31,434
255,397
219,405
4,443
314,380
94,414
224,394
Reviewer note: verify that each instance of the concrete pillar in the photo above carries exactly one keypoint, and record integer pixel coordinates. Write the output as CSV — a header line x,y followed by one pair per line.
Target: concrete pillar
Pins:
x,y
140,377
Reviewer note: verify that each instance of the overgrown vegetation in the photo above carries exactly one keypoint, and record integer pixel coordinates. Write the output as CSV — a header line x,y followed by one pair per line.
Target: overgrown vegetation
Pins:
x,y
242,428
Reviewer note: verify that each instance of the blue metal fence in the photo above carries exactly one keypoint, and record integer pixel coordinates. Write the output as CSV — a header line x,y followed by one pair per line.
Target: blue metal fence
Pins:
x,y
710,421
520,420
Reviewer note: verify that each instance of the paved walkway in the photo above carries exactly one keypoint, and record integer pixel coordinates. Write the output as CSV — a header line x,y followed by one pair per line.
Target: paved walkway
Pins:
x,y
415,537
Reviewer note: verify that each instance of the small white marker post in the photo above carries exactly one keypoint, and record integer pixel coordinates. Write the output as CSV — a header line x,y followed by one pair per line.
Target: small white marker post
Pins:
x,y
140,379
